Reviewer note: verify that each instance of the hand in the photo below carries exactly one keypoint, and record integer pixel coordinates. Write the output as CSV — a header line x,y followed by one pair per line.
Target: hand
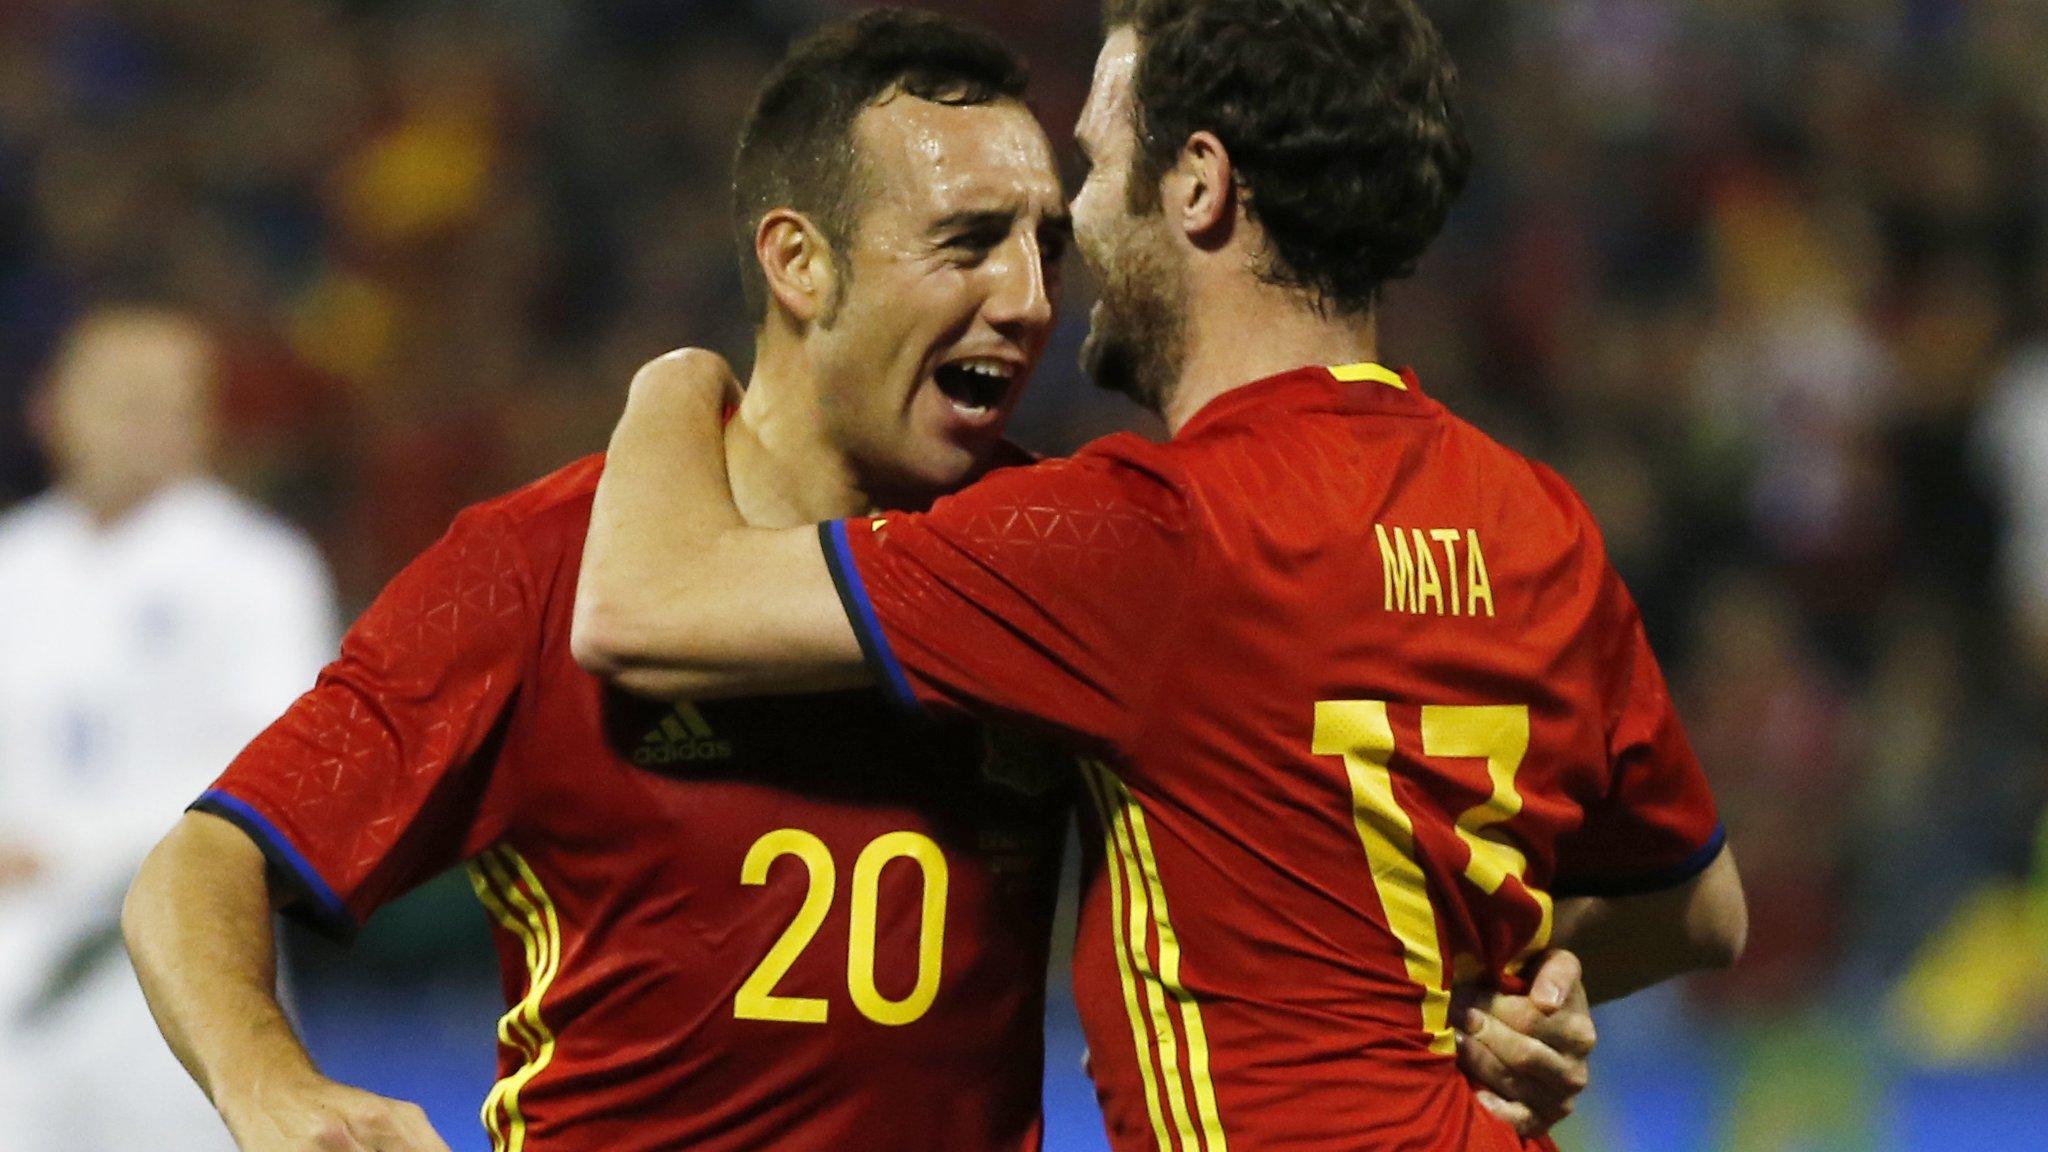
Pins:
x,y
18,866
321,1115
1528,1054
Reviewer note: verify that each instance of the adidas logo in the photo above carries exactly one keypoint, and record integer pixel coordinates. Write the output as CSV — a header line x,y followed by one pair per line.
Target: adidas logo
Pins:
x,y
682,737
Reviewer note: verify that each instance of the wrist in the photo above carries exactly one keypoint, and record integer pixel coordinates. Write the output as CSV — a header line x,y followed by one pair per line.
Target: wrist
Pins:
x,y
261,1084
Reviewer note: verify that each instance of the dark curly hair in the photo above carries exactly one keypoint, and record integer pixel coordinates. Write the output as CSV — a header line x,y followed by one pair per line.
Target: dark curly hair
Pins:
x,y
796,146
1340,118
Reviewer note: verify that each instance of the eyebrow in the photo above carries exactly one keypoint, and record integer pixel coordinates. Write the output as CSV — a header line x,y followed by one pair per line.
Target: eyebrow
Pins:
x,y
974,218
1059,220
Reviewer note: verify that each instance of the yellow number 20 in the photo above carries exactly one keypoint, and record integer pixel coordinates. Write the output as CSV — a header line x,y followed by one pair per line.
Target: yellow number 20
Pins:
x,y
1359,731
756,999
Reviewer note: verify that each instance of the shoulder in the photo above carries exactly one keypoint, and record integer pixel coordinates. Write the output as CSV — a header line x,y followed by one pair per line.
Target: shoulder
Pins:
x,y
547,516
1117,476
567,490
1573,517
1535,496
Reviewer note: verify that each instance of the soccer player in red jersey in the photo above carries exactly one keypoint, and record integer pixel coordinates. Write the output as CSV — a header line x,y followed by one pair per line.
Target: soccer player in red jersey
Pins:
x,y
1365,709
734,925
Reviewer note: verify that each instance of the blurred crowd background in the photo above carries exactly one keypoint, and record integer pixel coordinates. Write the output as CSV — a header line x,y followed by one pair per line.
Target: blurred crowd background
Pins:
x,y
1767,279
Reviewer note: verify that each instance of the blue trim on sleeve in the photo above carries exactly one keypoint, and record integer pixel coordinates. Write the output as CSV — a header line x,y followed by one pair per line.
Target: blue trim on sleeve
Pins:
x,y
1647,882
328,911
867,628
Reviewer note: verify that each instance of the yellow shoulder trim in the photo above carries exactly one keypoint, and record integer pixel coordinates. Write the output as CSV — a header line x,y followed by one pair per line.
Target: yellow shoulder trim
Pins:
x,y
1360,373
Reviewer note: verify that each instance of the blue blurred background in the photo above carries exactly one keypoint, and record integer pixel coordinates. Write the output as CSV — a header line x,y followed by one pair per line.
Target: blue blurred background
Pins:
x,y
1767,279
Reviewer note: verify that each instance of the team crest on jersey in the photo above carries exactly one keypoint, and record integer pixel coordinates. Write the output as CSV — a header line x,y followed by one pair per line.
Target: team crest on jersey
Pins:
x,y
681,739
1023,763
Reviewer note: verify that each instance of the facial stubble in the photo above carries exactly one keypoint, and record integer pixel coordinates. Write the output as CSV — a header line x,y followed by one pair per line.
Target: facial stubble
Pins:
x,y
1138,342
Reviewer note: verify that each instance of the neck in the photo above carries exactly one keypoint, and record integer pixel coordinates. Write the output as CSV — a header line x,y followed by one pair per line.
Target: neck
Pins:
x,y
1291,334
783,469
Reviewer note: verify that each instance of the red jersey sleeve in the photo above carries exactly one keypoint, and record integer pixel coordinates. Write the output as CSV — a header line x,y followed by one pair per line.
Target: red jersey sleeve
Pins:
x,y
1657,826
376,779
1040,593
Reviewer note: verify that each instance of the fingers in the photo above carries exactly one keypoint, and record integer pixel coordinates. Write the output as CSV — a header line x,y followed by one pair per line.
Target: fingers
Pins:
x,y
1568,1030
1493,1077
1531,1072
1558,979
1555,1011
1516,1116
1528,1054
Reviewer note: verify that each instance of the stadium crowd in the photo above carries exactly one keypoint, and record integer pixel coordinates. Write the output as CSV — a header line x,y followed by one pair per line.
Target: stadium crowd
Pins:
x,y
1768,281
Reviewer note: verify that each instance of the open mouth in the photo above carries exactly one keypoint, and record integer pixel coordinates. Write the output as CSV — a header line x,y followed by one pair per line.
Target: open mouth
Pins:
x,y
975,386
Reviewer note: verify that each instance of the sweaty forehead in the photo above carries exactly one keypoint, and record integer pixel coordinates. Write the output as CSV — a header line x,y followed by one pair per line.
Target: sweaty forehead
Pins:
x,y
1105,116
918,151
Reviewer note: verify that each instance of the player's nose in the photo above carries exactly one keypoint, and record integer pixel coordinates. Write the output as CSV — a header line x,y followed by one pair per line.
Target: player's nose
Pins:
x,y
1020,298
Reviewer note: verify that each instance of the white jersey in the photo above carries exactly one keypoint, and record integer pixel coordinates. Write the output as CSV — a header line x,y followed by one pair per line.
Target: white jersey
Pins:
x,y
135,661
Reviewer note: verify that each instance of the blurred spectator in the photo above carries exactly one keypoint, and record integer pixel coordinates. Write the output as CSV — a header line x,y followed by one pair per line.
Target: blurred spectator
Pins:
x,y
154,621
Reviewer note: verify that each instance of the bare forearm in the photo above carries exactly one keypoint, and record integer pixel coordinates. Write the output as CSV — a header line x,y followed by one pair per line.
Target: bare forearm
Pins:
x,y
1630,943
661,504
198,927
678,597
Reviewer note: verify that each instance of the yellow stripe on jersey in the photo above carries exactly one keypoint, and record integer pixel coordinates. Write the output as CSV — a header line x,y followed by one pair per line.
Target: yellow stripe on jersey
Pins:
x,y
512,1030
1113,857
1169,974
513,895
1359,731
1142,909
1130,844
1360,373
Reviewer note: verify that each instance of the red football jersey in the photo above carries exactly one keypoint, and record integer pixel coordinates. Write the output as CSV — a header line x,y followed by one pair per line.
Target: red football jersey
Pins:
x,y
1360,696
738,925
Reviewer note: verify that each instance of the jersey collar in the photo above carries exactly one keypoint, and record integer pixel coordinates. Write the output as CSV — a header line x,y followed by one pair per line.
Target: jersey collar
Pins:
x,y
1360,388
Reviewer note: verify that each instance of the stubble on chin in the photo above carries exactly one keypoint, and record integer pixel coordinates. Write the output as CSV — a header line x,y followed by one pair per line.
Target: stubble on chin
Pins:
x,y
1138,339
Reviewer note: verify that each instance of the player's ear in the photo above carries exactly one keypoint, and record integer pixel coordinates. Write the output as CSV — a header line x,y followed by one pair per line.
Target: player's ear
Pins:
x,y
797,263
1200,191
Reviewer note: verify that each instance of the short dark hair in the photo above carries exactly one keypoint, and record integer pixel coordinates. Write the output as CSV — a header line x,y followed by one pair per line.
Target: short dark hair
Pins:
x,y
796,147
1340,117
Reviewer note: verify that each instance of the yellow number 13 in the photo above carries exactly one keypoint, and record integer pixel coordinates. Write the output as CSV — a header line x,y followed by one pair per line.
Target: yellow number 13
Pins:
x,y
1359,731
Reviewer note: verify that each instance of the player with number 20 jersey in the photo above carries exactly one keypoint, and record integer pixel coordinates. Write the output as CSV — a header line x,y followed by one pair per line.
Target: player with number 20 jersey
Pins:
x,y
737,925
1363,697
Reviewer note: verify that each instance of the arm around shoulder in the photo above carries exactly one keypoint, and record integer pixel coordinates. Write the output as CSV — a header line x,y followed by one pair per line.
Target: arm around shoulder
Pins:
x,y
677,596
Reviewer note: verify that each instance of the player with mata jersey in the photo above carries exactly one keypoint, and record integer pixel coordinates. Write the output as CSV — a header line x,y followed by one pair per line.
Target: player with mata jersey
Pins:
x,y
1366,710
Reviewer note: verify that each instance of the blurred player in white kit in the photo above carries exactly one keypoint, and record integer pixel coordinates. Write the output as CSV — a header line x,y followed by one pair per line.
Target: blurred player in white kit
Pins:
x,y
151,622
